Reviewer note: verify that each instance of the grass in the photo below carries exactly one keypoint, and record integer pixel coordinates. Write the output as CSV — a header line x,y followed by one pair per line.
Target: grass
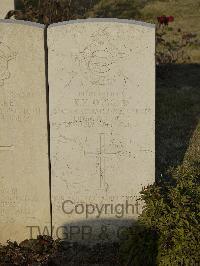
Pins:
x,y
186,14
177,116
178,89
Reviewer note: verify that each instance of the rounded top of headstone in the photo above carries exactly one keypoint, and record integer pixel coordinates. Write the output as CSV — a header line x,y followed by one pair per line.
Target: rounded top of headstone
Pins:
x,y
76,21
110,20
22,22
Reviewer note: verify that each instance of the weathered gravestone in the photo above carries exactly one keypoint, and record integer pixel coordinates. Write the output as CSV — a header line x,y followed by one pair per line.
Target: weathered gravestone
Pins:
x,y
24,174
102,107
5,7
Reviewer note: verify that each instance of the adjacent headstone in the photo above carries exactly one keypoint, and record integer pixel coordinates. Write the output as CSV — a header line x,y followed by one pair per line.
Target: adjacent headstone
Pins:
x,y
24,174
102,108
5,7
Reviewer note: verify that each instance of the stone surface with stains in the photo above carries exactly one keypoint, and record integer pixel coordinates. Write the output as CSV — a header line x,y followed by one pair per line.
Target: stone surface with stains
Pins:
x,y
24,169
102,113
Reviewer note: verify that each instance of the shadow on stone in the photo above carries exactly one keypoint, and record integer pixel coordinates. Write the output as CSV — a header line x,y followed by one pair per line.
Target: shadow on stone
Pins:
x,y
135,245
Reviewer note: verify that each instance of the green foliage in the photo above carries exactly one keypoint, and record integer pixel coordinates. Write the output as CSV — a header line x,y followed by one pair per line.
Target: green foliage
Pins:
x,y
46,251
173,50
124,9
51,11
169,227
140,248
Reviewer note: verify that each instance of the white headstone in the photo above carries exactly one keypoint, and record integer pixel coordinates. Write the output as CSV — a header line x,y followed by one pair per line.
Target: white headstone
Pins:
x,y
24,173
102,110
5,7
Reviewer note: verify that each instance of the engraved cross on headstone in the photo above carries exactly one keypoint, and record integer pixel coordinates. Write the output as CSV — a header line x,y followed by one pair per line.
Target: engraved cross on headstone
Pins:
x,y
101,154
6,148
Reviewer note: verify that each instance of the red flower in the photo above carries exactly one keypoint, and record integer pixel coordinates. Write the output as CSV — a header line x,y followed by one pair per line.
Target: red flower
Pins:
x,y
170,18
164,20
